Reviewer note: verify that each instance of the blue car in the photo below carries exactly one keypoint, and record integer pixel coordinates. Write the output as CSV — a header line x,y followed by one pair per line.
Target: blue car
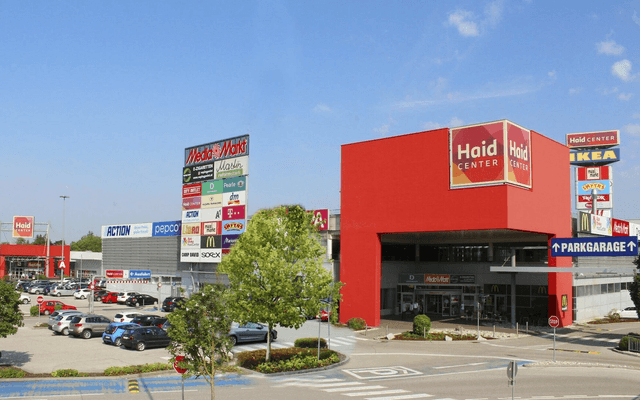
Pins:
x,y
112,335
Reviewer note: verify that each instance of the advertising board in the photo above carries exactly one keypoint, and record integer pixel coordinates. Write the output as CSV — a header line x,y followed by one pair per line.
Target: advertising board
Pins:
x,y
167,228
604,194
234,184
490,154
191,229
211,242
227,148
594,157
190,241
144,274
190,203
232,167
619,227
233,227
235,212
233,199
198,173
127,230
189,216
603,139
212,187
321,219
211,201
194,189
211,228
211,214
601,225
23,227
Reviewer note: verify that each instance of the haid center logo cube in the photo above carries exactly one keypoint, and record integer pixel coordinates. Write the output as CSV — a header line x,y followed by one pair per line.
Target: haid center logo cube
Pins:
x,y
23,227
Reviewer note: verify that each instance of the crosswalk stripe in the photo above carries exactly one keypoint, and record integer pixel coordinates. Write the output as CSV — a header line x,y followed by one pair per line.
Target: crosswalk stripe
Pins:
x,y
336,384
375,393
353,389
403,397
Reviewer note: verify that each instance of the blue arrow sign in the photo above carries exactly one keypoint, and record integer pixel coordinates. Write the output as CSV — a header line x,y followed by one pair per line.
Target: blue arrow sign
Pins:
x,y
600,246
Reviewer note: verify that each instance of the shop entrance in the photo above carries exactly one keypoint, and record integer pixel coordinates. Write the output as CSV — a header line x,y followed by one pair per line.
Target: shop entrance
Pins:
x,y
446,304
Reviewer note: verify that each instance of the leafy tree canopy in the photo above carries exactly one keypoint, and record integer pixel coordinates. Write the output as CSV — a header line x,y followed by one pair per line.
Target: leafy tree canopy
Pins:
x,y
634,290
88,242
199,333
275,270
10,315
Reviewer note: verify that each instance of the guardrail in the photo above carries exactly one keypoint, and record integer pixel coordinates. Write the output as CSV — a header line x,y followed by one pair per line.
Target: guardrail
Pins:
x,y
634,344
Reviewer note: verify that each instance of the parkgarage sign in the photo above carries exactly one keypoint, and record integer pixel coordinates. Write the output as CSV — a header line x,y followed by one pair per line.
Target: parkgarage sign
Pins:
x,y
596,247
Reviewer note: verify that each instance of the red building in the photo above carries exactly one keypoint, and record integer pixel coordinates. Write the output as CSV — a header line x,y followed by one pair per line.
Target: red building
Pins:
x,y
18,260
425,216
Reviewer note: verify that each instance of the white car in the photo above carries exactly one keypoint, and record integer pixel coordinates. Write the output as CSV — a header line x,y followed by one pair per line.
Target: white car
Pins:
x,y
126,317
629,312
61,323
123,296
55,314
82,293
25,298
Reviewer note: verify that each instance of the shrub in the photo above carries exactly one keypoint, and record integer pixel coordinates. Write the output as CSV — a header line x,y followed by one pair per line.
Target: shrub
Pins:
x,y
310,343
297,363
61,373
252,359
356,324
137,369
34,311
613,315
11,372
624,343
421,324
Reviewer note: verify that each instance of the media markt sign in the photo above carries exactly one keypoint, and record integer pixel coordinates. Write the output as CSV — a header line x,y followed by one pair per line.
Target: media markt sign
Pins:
x,y
594,247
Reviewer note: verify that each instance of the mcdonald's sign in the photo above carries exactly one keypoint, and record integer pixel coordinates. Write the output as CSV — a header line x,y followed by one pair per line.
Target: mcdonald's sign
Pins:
x,y
543,290
584,222
211,242
565,302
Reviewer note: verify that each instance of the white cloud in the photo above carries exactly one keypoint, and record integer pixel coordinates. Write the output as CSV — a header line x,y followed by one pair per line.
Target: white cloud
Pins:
x,y
607,92
622,69
382,130
625,96
455,122
460,19
610,48
493,12
322,108
429,126
632,129
575,91
635,18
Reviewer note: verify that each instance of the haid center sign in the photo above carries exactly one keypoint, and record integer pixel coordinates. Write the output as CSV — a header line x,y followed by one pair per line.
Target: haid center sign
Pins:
x,y
492,153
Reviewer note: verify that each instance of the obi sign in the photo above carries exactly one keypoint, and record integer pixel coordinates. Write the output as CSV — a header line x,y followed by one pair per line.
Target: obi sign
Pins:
x,y
489,154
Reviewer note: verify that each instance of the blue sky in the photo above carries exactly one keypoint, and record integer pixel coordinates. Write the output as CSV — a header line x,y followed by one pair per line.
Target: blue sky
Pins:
x,y
99,99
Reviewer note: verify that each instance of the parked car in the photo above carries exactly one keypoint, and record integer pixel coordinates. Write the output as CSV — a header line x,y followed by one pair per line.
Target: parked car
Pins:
x,y
140,300
49,287
111,297
82,293
144,320
88,325
37,289
159,322
55,314
250,332
629,313
126,317
49,306
113,333
123,296
25,298
145,337
61,323
171,303
62,291
97,295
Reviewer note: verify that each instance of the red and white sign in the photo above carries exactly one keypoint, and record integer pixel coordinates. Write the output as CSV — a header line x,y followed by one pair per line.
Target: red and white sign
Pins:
x,y
212,228
110,273
554,321
438,279
176,367
23,227
489,154
321,219
593,173
195,189
40,299
216,151
619,227
603,139
191,229
235,212
191,203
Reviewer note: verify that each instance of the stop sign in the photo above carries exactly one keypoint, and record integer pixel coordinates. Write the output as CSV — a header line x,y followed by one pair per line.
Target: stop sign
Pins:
x,y
176,367
40,299
554,321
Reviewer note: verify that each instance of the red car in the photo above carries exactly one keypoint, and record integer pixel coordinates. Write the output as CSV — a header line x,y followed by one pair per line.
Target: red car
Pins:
x,y
111,297
49,306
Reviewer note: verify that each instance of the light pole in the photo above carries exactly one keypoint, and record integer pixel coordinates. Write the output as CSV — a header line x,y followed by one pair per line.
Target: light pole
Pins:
x,y
64,200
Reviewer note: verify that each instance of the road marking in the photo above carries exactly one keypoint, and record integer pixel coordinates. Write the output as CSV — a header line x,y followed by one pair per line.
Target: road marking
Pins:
x,y
376,393
382,372
461,365
406,396
353,389
133,386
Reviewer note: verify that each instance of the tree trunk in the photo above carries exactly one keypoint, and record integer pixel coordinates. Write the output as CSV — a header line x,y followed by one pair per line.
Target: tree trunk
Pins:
x,y
268,358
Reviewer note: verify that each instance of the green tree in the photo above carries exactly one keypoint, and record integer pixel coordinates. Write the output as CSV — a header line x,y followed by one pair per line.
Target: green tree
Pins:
x,y
199,333
275,270
22,240
10,315
88,242
634,290
40,240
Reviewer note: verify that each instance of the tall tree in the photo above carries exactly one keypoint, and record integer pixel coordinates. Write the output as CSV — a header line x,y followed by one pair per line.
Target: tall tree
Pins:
x,y
199,333
275,270
10,315
634,290
40,240
88,242
22,240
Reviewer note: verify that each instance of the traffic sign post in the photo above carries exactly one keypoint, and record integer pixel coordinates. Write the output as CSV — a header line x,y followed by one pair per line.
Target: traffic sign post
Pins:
x,y
180,370
512,371
617,246
554,322
40,300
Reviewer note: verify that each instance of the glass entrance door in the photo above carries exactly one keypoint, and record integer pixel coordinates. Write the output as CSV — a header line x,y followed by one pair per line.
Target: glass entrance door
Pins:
x,y
446,305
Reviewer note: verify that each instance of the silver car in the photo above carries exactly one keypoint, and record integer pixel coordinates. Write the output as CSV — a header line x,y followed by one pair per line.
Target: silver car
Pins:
x,y
55,314
63,291
88,325
61,323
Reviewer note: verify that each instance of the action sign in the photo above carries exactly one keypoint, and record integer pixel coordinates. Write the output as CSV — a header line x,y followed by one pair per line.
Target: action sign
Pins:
x,y
600,246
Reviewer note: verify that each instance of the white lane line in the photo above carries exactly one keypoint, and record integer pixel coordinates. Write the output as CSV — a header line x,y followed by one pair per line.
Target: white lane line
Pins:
x,y
353,389
375,393
461,365
402,397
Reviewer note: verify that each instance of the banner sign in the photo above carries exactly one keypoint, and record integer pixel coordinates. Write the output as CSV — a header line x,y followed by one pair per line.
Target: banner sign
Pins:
x,y
228,148
321,219
110,273
127,230
144,274
600,225
232,167
190,203
602,139
233,199
594,247
190,241
195,189
210,255
23,227
489,154
191,229
229,240
198,173
235,212
603,190
211,228
211,201
619,227
167,228
189,255
233,227
594,157
211,214
437,279
211,242
191,216
593,173
234,184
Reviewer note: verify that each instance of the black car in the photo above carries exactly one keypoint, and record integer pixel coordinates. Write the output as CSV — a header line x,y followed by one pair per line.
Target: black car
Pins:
x,y
145,320
159,322
171,303
140,300
97,295
145,337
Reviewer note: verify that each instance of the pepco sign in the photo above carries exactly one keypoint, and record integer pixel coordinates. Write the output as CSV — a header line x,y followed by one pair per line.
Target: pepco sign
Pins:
x,y
167,228
488,154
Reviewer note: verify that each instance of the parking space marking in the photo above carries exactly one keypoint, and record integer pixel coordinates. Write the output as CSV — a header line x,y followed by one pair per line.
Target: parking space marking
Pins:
x,y
461,365
382,372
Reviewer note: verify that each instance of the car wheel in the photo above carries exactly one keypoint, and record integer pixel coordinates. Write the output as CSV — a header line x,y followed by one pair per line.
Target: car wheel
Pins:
x,y
86,334
65,331
234,340
58,295
56,332
118,342
274,336
98,298
83,297
25,301
137,304
140,346
46,312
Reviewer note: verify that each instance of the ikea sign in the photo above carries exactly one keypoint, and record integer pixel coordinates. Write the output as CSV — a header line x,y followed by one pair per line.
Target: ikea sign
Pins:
x,y
594,157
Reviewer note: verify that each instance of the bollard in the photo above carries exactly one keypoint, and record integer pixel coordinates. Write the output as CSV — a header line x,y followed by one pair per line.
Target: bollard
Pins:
x,y
527,326
494,331
516,329
424,331
387,330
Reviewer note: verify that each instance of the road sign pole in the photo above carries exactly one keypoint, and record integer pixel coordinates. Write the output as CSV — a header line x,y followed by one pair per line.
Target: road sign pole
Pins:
x,y
554,344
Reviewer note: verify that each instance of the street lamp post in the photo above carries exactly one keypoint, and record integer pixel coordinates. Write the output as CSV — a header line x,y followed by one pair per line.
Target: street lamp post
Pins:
x,y
64,200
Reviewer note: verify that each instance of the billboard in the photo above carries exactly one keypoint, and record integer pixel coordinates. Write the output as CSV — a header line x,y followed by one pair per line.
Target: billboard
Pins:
x,y
127,230
603,139
594,157
490,154
23,227
167,228
619,227
221,150
321,219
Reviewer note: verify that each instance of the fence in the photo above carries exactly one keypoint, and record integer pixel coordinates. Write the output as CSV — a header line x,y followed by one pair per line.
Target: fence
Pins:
x,y
634,344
